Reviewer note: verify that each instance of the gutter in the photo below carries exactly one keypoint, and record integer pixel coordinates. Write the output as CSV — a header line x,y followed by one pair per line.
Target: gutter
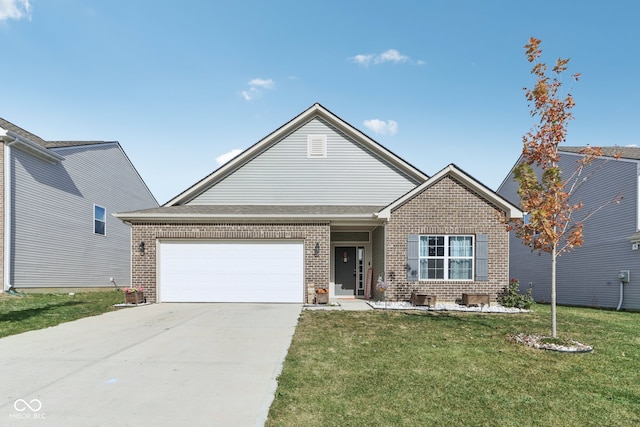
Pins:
x,y
33,148
7,215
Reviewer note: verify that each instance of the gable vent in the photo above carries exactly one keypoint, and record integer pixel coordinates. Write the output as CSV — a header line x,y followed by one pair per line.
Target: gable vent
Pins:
x,y
316,145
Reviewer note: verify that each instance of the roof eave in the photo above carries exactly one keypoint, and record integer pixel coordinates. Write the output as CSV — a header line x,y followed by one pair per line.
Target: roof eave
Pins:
x,y
31,147
163,217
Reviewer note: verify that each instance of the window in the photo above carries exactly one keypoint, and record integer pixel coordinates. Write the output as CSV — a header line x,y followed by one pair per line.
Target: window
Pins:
x,y
446,258
99,219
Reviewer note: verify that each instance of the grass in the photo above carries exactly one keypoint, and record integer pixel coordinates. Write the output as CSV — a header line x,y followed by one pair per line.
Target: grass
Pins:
x,y
37,311
382,368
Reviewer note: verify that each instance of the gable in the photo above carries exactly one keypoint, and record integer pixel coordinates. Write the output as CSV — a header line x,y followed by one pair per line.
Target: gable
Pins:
x,y
452,173
448,202
298,170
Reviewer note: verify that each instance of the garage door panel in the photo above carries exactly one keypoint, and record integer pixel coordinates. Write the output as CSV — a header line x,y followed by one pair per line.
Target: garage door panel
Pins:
x,y
231,271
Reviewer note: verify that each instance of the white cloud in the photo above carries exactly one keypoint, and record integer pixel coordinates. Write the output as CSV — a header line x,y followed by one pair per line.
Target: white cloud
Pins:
x,y
363,59
390,55
381,127
224,158
250,93
14,9
254,88
267,84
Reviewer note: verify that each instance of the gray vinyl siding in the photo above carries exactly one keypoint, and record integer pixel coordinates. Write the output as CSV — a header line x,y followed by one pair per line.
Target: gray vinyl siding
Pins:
x,y
52,239
587,276
283,174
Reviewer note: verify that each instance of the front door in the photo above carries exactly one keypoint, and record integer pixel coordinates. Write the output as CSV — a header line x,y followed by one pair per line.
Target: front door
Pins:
x,y
345,270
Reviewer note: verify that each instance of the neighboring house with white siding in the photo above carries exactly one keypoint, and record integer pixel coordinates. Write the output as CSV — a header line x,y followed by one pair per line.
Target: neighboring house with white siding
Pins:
x,y
589,275
57,199
319,204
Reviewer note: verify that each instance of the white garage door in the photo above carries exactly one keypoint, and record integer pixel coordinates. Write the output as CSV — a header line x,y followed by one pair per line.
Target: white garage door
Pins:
x,y
227,271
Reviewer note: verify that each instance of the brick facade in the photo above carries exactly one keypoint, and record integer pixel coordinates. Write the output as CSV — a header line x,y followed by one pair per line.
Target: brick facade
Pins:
x,y
317,267
446,207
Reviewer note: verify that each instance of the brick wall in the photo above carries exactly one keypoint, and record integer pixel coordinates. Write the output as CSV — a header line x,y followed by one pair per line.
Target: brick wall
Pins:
x,y
447,207
317,267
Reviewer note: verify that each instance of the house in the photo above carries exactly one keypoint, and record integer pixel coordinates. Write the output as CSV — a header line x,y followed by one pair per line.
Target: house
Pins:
x,y
589,275
319,204
57,199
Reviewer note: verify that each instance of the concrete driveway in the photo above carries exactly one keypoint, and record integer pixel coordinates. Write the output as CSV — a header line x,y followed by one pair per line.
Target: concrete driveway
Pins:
x,y
156,365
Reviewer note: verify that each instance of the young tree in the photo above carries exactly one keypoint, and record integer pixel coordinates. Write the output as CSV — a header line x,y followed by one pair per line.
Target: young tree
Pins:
x,y
551,224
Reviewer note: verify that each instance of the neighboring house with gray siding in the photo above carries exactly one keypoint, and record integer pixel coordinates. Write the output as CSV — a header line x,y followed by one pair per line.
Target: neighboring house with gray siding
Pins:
x,y
319,204
57,200
588,275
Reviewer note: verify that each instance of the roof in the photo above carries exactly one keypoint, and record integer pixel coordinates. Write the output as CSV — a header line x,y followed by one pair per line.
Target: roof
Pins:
x,y
511,210
17,130
316,110
250,212
23,133
632,153
65,144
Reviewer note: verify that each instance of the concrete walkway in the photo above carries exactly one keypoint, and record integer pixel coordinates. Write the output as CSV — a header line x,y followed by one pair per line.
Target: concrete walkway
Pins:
x,y
156,365
341,304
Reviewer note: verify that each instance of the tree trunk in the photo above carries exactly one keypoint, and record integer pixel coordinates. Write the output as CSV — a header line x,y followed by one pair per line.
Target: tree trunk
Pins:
x,y
553,291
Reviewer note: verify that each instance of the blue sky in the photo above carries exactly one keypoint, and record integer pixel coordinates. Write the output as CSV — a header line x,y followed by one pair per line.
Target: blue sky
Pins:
x,y
181,84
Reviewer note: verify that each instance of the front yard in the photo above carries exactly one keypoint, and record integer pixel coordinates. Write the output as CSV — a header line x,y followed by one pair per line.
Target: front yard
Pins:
x,y
37,311
381,368
385,368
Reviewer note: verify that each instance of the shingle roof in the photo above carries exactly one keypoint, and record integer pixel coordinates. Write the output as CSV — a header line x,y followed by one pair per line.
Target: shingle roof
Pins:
x,y
7,125
64,144
632,153
23,133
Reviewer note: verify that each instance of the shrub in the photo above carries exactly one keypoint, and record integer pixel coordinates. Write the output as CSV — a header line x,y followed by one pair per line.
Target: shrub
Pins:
x,y
512,297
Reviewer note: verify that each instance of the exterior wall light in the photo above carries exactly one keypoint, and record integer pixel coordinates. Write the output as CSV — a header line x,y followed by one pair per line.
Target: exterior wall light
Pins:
x,y
316,250
141,248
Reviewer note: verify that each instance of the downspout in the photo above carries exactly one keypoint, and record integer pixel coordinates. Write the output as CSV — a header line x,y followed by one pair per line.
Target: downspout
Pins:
x,y
621,295
7,214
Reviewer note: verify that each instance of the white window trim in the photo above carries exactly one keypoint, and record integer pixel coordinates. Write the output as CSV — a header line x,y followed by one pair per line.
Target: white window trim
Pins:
x,y
316,146
446,258
93,223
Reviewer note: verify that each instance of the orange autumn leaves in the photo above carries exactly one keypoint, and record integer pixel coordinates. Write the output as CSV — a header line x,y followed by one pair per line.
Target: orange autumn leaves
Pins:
x,y
550,222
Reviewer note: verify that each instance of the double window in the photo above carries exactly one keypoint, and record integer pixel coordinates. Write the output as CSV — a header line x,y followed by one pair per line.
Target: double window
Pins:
x,y
445,257
99,220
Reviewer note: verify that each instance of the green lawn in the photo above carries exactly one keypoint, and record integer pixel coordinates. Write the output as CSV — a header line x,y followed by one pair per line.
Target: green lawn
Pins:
x,y
383,368
37,311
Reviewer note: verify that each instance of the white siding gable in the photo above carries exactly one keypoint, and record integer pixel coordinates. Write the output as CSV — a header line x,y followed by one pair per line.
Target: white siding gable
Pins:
x,y
286,173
